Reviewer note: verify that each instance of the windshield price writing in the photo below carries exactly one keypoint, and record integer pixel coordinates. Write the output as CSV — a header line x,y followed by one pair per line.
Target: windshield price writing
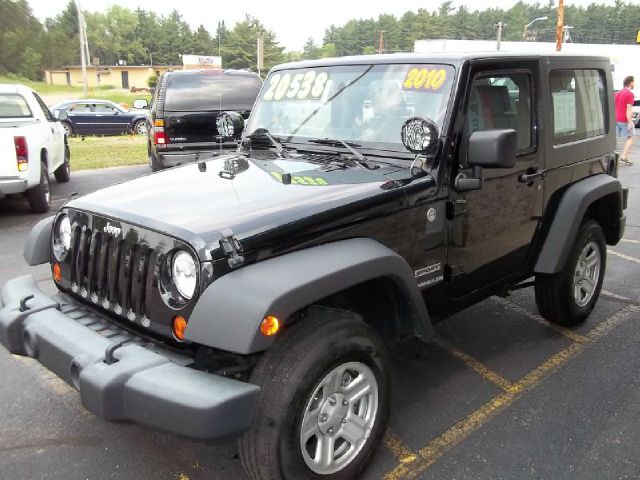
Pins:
x,y
301,86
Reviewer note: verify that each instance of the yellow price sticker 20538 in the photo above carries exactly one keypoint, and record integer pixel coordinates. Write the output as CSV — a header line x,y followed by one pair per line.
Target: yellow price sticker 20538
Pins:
x,y
299,86
425,79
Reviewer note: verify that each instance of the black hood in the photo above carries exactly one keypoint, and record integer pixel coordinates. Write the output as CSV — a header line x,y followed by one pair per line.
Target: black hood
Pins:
x,y
196,202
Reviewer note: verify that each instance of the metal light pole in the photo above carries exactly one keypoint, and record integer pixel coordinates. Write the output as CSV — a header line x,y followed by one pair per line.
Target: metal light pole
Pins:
x,y
84,50
560,25
526,27
499,26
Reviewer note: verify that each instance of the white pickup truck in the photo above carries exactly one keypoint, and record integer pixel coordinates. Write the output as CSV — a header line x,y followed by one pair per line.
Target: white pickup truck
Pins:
x,y
32,145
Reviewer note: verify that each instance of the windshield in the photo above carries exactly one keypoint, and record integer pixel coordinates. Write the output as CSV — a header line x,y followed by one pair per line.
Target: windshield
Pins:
x,y
366,104
13,105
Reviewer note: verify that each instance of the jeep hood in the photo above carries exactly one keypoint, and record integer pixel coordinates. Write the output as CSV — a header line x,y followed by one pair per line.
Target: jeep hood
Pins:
x,y
245,195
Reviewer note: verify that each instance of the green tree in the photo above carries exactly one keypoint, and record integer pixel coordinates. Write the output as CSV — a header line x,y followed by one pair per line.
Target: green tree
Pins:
x,y
240,48
20,39
310,51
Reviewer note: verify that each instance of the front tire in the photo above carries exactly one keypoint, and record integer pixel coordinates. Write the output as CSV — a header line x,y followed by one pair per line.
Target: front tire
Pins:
x,y
63,172
323,403
40,196
68,129
567,298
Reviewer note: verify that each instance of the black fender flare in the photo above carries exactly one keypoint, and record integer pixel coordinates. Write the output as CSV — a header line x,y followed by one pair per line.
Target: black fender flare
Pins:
x,y
227,315
37,249
573,205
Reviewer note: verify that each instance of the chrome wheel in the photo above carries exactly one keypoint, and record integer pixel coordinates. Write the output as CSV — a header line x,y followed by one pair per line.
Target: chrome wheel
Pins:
x,y
141,128
339,417
587,274
67,129
46,187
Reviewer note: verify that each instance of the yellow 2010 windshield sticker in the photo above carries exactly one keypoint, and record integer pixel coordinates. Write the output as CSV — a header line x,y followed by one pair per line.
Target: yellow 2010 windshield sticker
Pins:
x,y
296,86
421,79
299,180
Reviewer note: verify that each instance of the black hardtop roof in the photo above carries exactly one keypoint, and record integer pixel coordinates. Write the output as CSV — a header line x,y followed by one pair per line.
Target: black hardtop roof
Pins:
x,y
204,71
452,58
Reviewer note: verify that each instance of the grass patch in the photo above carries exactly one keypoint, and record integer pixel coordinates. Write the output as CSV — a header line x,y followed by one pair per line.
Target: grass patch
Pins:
x,y
101,152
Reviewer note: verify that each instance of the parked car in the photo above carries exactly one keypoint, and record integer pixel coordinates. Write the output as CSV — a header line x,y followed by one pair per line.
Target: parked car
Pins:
x,y
254,294
636,112
32,145
184,109
102,117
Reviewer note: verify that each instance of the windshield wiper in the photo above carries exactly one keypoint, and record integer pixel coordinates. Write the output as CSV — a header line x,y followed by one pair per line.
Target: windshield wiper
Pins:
x,y
362,160
264,133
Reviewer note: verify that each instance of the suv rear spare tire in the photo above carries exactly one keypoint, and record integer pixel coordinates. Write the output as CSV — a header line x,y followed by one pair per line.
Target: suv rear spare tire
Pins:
x,y
568,297
323,403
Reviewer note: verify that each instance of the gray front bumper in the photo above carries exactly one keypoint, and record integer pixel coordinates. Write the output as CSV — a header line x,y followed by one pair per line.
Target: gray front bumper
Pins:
x,y
146,384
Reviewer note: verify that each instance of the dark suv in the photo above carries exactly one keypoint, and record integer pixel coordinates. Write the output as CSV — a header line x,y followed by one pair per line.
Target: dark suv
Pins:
x,y
255,294
184,109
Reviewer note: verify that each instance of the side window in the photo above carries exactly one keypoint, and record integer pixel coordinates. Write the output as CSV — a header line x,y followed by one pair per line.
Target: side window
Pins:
x,y
579,105
502,101
44,107
104,109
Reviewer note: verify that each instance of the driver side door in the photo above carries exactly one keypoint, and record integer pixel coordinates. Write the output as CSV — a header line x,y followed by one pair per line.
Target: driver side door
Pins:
x,y
492,228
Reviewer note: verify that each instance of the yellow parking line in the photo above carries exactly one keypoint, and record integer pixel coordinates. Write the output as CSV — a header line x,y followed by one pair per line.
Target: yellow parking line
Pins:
x,y
628,240
570,334
475,364
399,449
615,296
622,255
430,453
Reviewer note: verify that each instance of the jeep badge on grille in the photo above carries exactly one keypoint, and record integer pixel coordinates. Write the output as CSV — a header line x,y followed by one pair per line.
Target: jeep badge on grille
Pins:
x,y
110,229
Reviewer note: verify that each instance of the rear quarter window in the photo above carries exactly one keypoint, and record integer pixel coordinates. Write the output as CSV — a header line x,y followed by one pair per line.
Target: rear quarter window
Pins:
x,y
13,105
207,91
579,104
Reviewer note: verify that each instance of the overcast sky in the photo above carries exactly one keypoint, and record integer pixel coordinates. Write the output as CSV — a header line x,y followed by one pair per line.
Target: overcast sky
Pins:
x,y
293,22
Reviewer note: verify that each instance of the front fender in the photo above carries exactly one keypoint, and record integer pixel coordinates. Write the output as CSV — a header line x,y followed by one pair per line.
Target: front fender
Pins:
x,y
228,314
37,249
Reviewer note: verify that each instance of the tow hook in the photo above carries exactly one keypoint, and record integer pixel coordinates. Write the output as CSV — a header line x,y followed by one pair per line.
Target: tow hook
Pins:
x,y
23,302
109,358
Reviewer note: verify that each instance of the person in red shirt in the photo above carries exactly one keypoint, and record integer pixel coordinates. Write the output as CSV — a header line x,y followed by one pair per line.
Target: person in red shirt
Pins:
x,y
624,120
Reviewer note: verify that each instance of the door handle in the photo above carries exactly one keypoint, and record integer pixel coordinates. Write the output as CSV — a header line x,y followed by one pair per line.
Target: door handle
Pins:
x,y
532,175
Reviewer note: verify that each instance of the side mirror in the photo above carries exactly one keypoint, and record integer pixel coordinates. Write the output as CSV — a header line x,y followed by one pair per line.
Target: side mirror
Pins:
x,y
61,115
487,149
493,148
230,125
140,104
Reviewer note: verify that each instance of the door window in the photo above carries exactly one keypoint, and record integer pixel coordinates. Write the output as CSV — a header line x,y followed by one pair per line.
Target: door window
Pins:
x,y
579,104
502,101
44,108
104,109
80,108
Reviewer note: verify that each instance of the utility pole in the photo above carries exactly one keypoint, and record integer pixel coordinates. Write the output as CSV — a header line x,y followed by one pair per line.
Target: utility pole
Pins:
x,y
560,26
500,26
381,42
260,53
84,50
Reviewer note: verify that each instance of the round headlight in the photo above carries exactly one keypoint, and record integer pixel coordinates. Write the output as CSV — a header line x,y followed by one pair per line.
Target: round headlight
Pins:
x,y
62,237
184,273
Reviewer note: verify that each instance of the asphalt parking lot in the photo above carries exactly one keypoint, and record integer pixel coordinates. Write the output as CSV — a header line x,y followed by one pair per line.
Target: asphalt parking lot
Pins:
x,y
500,394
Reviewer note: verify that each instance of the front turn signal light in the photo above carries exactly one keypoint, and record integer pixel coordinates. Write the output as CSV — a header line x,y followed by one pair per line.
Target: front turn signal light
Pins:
x,y
57,272
178,327
269,326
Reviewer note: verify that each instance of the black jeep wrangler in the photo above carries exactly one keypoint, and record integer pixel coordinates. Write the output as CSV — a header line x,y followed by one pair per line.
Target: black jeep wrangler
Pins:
x,y
254,295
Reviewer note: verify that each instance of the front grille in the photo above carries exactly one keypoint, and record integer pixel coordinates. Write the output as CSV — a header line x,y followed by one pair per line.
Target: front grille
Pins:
x,y
112,273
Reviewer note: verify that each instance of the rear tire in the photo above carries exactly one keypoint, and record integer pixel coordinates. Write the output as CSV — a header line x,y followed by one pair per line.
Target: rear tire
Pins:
x,y
40,195
140,127
63,172
154,164
568,297
307,379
